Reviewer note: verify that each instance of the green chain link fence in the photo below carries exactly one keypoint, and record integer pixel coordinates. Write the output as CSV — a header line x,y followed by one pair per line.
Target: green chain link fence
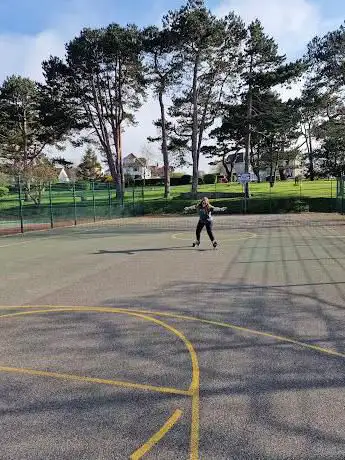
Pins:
x,y
64,204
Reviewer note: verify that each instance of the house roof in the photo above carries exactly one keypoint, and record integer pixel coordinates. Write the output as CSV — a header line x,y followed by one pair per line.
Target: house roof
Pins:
x,y
70,172
131,159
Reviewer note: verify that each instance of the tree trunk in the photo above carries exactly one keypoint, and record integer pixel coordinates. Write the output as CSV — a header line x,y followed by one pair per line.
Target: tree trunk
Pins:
x,y
164,147
120,161
249,126
227,170
274,167
306,130
119,176
195,179
310,155
257,173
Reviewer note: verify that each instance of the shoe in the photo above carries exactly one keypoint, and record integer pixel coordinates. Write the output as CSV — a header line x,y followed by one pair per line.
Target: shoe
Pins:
x,y
215,244
196,243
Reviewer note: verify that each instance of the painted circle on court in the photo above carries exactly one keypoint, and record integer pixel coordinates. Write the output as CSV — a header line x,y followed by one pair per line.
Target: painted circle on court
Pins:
x,y
184,236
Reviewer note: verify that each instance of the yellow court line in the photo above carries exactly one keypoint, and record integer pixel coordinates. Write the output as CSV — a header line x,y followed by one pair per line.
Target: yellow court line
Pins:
x,y
194,388
249,331
145,448
251,236
195,383
80,378
279,338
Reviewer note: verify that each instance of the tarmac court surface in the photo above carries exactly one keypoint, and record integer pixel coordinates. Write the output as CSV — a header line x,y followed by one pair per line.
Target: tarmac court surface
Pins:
x,y
121,341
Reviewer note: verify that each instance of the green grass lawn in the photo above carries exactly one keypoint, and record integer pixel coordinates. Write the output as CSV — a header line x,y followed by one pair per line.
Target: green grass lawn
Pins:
x,y
316,189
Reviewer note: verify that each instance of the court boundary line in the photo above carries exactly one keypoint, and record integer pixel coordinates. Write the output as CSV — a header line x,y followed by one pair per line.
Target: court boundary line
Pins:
x,y
195,384
194,389
168,425
166,314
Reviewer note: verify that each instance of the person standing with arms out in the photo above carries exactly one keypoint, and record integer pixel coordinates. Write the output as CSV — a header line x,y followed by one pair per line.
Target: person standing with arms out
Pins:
x,y
205,219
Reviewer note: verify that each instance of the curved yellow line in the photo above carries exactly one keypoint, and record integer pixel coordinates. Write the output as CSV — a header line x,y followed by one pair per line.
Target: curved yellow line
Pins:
x,y
279,338
195,383
145,448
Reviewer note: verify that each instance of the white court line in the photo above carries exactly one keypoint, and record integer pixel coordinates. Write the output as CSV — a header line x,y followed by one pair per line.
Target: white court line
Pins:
x,y
49,237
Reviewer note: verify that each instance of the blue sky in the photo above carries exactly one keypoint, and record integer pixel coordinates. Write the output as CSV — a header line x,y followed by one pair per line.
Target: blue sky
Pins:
x,y
31,30
33,16
30,17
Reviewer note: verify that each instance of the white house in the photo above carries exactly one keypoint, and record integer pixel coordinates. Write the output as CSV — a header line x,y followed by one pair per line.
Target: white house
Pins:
x,y
63,177
136,167
292,168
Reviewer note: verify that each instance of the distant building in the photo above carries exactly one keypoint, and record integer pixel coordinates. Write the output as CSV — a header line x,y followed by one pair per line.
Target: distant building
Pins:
x,y
136,167
292,168
63,176
158,171
66,176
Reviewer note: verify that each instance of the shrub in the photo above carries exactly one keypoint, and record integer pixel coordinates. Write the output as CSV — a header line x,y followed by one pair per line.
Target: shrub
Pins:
x,y
4,180
176,175
209,178
3,191
83,185
186,179
151,182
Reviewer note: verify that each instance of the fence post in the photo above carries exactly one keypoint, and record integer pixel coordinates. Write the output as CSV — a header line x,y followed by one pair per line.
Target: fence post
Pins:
x,y
51,206
74,204
109,199
20,204
143,184
270,198
244,199
300,195
93,200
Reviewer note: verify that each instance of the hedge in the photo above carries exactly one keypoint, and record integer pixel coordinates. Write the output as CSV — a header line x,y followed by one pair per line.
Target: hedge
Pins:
x,y
210,178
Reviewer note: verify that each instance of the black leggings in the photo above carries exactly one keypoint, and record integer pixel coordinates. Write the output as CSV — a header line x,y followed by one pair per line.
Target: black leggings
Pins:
x,y
200,226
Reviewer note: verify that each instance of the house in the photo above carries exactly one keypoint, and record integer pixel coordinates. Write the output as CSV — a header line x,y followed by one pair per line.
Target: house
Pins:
x,y
63,176
136,167
66,176
158,171
292,168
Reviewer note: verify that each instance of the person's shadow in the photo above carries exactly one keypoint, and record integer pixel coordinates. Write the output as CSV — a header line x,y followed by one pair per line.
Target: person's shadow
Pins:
x,y
136,251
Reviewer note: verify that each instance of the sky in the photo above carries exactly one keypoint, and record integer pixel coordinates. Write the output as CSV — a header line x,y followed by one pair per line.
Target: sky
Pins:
x,y
32,30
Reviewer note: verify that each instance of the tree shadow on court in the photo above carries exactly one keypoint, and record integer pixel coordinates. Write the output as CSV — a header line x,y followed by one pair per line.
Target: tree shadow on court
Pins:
x,y
278,399
70,420
260,398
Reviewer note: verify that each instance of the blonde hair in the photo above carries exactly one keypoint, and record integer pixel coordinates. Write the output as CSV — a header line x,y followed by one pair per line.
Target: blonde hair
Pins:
x,y
207,204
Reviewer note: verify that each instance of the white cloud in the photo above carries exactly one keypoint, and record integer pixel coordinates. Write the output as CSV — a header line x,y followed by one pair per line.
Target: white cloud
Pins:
x,y
23,55
292,23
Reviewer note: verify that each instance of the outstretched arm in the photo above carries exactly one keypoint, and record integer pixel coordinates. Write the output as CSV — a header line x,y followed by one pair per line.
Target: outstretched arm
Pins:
x,y
215,209
190,208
